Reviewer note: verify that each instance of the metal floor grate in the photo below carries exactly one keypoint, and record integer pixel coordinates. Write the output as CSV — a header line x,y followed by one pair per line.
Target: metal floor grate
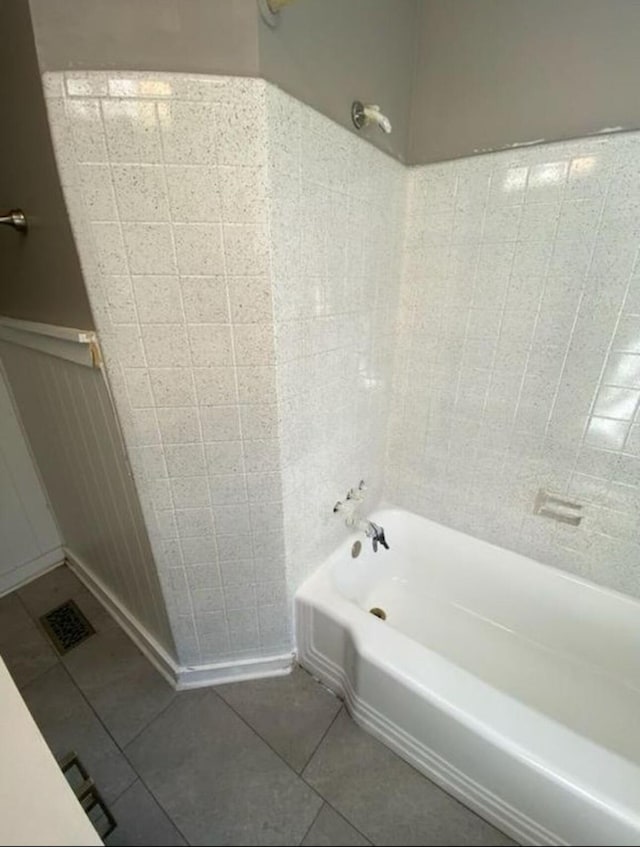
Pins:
x,y
66,626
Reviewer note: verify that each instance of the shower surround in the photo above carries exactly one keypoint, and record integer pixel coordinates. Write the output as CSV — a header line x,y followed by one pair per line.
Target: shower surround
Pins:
x,y
243,269
336,211
518,352
284,311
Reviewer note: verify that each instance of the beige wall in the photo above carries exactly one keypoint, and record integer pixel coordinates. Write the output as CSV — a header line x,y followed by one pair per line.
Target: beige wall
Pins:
x,y
494,73
325,52
328,53
41,278
203,36
65,408
455,76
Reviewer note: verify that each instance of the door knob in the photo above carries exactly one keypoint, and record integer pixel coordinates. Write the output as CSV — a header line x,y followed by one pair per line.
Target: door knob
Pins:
x,y
15,218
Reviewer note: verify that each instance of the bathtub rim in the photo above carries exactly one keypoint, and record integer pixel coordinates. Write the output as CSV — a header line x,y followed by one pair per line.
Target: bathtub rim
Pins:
x,y
552,571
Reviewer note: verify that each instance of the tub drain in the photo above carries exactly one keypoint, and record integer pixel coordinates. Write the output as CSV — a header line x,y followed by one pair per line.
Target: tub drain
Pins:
x,y
379,613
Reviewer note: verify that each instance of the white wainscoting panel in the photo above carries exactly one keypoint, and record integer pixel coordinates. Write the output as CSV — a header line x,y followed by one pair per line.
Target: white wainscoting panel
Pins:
x,y
74,434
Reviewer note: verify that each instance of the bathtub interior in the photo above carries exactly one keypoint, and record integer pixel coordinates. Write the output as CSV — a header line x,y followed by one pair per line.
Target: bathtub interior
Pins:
x,y
556,643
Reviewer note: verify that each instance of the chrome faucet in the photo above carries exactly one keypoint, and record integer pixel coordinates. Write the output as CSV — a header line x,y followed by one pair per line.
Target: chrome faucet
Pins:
x,y
375,533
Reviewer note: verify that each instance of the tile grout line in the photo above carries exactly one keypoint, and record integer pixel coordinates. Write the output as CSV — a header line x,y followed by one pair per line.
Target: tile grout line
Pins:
x,y
148,724
102,724
315,750
346,820
331,806
324,735
170,223
148,788
38,625
254,731
204,691
94,713
32,682
106,729
120,748
423,776
279,755
343,817
309,828
138,776
300,775
140,779
122,751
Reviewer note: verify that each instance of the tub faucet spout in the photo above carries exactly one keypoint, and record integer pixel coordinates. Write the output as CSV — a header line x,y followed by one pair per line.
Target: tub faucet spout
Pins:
x,y
376,534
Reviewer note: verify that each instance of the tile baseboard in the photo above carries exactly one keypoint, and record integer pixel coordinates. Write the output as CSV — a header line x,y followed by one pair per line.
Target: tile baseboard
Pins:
x,y
180,677
199,676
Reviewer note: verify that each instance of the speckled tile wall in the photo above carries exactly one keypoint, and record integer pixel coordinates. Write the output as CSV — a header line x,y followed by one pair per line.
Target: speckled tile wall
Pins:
x,y
282,306
165,177
336,211
243,267
518,358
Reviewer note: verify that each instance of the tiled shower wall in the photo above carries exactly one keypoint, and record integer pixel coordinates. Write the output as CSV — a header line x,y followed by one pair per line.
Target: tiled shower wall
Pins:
x,y
165,176
242,258
336,211
518,358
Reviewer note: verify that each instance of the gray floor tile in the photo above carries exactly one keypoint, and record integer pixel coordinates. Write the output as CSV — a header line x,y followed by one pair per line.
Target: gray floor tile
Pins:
x,y
385,798
12,614
331,830
49,590
68,723
57,586
141,821
217,780
121,684
291,713
26,651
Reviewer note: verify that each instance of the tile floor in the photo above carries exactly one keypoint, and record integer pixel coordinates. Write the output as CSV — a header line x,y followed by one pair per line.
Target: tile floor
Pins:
x,y
274,761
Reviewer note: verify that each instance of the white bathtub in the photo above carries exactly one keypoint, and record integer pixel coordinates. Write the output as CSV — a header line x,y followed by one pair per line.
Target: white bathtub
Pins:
x,y
513,685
